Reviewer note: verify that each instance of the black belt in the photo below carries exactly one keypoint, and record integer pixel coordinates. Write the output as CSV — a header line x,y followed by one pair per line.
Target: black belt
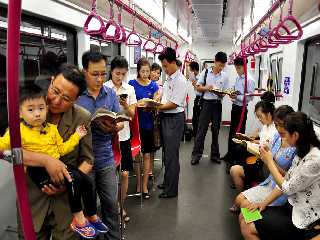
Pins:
x,y
162,114
238,105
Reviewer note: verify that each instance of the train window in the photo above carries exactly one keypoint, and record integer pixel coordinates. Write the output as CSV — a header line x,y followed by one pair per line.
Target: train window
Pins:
x,y
276,71
43,47
310,86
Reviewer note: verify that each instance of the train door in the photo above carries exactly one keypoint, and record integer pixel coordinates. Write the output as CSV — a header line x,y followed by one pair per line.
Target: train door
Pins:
x,y
310,85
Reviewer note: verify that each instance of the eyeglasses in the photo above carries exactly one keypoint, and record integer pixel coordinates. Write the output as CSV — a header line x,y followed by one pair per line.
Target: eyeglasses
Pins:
x,y
97,75
56,92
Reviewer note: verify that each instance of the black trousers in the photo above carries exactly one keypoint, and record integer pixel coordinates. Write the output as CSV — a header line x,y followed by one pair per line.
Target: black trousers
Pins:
x,y
211,112
235,119
81,187
172,126
196,115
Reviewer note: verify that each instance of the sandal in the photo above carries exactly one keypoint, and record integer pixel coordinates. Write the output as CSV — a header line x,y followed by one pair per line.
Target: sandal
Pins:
x,y
234,209
125,216
146,196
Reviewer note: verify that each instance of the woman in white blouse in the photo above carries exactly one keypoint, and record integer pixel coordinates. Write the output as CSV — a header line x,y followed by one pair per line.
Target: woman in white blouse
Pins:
x,y
301,183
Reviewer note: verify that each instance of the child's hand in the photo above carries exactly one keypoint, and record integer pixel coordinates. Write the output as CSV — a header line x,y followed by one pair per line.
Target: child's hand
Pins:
x,y
81,130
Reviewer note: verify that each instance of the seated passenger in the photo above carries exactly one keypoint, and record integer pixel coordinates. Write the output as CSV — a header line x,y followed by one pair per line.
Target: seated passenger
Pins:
x,y
283,154
39,136
252,172
301,218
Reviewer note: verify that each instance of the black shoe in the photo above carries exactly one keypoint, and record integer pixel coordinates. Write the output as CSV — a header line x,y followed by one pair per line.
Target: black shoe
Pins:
x,y
165,195
161,186
194,161
217,161
226,157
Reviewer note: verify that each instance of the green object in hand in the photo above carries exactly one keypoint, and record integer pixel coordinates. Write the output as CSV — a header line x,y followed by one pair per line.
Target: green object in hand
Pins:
x,y
250,216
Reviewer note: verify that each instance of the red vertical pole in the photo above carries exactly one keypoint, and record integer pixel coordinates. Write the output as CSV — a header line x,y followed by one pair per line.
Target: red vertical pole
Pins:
x,y
244,102
13,47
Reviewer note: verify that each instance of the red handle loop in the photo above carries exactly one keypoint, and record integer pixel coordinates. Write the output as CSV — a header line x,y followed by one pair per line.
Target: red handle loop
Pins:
x,y
111,22
292,19
122,34
93,14
159,47
133,33
149,45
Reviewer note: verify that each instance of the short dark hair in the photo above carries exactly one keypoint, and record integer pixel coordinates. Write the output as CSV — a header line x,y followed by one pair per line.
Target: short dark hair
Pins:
x,y
91,56
221,57
142,62
71,73
239,61
156,66
31,91
169,54
299,122
268,96
119,62
194,66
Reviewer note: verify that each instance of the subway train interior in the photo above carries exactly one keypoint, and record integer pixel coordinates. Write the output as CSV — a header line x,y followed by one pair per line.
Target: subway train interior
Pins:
x,y
160,119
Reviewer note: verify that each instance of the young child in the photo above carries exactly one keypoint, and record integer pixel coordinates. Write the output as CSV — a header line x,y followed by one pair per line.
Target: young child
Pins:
x,y
39,136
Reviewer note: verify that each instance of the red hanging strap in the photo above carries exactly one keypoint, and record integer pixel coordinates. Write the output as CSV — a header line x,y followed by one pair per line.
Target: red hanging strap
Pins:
x,y
109,24
93,14
13,41
135,42
149,45
122,36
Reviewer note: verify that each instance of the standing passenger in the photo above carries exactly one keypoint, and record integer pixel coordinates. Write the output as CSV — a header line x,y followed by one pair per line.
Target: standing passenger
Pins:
x,y
127,99
104,172
212,108
172,121
144,88
194,69
237,104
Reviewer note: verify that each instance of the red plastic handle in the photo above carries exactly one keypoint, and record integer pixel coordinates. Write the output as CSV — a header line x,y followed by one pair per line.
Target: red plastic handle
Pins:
x,y
122,35
272,39
99,31
136,42
159,48
292,19
149,41
116,34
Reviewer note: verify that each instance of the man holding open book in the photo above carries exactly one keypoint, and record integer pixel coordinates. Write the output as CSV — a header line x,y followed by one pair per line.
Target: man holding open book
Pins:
x,y
172,121
96,97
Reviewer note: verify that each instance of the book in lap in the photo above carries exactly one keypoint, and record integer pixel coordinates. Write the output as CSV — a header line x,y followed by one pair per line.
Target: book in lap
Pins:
x,y
252,148
250,216
148,103
103,114
242,136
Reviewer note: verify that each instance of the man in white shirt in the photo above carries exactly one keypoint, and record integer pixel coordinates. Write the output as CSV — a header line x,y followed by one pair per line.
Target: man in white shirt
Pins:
x,y
213,78
172,121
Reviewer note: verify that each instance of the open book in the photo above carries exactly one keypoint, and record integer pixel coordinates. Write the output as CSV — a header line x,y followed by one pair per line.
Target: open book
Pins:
x,y
250,216
242,136
148,103
103,114
228,91
252,148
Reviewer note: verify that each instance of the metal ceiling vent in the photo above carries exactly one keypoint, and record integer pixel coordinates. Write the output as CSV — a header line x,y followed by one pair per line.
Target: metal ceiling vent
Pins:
x,y
209,14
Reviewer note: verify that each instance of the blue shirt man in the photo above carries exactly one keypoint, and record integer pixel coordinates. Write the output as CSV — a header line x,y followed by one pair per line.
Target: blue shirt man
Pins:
x,y
101,141
239,86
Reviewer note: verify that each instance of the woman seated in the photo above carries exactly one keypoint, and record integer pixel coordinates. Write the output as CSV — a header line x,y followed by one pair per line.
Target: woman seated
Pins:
x,y
264,111
283,154
301,183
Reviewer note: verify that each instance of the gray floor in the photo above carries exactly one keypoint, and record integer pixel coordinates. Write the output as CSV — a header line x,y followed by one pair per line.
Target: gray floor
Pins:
x,y
200,211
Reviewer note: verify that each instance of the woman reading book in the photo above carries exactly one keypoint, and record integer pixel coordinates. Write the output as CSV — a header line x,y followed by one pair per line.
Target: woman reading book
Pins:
x,y
249,170
260,196
145,88
300,219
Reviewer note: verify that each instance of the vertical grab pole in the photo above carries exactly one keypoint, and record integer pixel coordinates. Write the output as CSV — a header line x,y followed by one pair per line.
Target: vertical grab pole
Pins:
x,y
13,46
244,102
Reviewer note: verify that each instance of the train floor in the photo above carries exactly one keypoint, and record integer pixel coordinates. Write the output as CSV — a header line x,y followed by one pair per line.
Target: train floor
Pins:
x,y
201,210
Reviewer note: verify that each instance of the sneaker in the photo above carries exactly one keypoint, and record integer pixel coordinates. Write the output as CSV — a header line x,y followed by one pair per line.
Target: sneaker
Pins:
x,y
86,231
99,226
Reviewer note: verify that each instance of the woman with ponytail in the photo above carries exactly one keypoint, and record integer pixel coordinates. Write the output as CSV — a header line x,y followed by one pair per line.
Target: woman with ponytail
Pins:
x,y
301,218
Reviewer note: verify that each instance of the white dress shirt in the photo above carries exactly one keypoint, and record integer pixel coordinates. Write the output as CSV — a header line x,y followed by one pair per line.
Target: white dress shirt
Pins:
x,y
175,91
